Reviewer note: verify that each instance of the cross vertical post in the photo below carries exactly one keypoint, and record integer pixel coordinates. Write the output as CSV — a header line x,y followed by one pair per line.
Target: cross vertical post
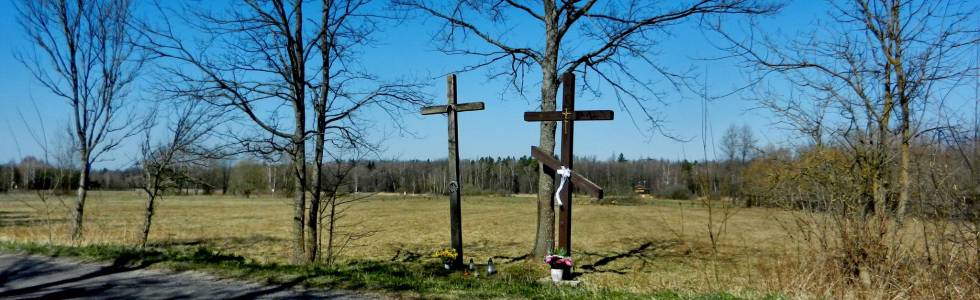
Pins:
x,y
454,186
455,211
567,133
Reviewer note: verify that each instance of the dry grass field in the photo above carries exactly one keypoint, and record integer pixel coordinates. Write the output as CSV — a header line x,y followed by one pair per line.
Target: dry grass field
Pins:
x,y
643,246
655,245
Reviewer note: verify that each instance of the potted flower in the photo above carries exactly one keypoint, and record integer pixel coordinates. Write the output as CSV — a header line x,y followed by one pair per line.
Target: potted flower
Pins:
x,y
447,256
559,262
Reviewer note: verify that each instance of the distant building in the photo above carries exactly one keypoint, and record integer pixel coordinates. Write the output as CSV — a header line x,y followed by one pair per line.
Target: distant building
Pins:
x,y
640,188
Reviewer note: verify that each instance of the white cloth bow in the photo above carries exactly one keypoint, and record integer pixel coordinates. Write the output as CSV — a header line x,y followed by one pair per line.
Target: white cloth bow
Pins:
x,y
565,174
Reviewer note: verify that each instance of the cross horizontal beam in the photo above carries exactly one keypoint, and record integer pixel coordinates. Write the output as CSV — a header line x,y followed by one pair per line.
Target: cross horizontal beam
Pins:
x,y
578,180
581,115
441,109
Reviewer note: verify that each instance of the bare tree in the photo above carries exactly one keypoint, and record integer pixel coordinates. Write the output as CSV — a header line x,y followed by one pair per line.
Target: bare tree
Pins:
x,y
167,162
877,56
746,143
597,40
730,143
260,56
340,195
880,65
84,54
345,27
737,147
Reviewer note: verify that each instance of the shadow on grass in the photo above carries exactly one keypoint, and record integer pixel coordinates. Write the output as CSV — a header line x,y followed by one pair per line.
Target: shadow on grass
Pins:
x,y
417,279
403,255
510,259
11,219
644,253
236,242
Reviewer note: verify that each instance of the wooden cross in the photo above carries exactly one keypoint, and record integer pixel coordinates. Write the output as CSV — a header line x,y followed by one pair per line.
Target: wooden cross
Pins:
x,y
568,115
455,218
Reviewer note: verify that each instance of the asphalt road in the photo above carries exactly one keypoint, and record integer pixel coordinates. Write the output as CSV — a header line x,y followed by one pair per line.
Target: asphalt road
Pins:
x,y
34,277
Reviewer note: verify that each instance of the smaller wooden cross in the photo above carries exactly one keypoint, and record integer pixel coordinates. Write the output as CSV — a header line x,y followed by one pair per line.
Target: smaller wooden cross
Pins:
x,y
454,185
568,115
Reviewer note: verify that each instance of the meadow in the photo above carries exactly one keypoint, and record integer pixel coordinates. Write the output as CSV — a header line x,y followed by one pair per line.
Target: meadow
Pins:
x,y
645,246
635,246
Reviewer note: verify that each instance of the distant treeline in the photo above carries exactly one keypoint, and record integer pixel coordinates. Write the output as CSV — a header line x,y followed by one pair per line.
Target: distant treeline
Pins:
x,y
756,176
509,175
488,175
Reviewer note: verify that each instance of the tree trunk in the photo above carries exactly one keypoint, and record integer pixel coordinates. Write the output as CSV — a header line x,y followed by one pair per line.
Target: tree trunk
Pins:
x,y
313,218
225,178
330,230
904,180
151,195
903,170
880,190
78,212
299,202
319,110
544,238
298,74
313,241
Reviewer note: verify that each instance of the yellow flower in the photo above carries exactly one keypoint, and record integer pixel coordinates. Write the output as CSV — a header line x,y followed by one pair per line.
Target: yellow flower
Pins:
x,y
447,254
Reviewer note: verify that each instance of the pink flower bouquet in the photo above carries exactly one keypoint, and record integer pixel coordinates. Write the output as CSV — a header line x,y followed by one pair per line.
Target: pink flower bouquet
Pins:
x,y
558,261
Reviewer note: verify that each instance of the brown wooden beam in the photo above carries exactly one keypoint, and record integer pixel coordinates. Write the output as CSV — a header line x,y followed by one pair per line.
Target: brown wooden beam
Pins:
x,y
469,106
441,109
438,109
551,164
581,115
593,115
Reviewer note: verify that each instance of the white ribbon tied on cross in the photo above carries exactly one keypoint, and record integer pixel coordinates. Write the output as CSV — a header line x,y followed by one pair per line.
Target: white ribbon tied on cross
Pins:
x,y
565,174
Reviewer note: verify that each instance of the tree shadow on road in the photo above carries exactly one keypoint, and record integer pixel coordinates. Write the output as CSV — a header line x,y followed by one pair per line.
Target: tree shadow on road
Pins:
x,y
40,271
44,278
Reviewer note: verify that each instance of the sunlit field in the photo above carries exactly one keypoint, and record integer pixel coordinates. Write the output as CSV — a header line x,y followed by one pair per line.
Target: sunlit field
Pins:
x,y
646,246
630,245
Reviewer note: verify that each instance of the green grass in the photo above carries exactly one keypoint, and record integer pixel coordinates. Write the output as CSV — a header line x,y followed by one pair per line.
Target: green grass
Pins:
x,y
400,279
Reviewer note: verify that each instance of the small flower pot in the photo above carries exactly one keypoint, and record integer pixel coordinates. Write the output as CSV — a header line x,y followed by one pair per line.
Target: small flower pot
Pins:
x,y
557,274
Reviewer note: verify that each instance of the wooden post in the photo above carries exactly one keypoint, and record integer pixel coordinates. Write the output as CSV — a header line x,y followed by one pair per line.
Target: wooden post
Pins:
x,y
455,212
567,133
454,185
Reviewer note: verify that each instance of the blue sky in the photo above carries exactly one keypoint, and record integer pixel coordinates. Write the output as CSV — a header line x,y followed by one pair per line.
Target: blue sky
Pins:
x,y
406,50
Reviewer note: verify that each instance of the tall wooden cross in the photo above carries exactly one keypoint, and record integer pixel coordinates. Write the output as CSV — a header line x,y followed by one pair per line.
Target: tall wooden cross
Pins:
x,y
568,115
455,218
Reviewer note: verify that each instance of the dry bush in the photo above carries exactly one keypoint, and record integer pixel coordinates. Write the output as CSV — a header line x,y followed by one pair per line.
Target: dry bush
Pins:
x,y
838,249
